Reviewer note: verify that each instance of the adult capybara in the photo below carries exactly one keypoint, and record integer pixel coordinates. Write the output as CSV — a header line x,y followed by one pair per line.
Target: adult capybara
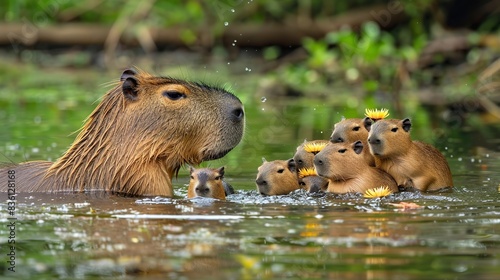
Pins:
x,y
304,155
277,177
411,163
138,137
350,131
208,182
311,182
347,170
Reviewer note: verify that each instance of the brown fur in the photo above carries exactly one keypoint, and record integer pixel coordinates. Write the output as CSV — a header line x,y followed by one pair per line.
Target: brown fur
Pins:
x,y
139,136
207,182
277,177
304,159
350,131
313,184
347,170
411,163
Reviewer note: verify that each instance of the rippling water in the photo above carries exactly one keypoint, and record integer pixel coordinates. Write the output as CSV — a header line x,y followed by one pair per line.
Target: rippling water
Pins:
x,y
454,235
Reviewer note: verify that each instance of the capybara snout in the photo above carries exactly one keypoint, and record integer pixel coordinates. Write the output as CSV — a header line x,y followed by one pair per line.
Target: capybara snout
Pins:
x,y
277,177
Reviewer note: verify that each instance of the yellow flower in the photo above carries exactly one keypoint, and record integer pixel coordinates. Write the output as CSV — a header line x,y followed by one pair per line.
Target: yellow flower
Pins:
x,y
377,192
376,115
307,171
314,147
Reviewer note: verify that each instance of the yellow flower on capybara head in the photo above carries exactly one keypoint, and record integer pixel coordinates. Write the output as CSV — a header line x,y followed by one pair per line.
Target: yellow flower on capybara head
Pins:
x,y
314,147
307,171
376,114
377,192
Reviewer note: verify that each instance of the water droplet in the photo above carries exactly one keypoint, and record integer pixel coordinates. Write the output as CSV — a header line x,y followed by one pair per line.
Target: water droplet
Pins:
x,y
487,155
459,159
35,150
226,23
234,44
472,160
228,63
232,10
263,99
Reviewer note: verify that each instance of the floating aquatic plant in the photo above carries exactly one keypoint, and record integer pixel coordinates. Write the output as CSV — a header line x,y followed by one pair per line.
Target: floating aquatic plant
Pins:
x,y
376,114
377,192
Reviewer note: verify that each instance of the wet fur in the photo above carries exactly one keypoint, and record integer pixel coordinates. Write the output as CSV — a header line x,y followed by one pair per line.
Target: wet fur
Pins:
x,y
350,131
212,179
347,170
413,164
277,177
134,145
304,159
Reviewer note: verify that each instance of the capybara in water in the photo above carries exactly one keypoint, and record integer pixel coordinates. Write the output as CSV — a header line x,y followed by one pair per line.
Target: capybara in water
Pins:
x,y
310,181
304,155
277,177
138,137
347,170
350,131
208,182
411,163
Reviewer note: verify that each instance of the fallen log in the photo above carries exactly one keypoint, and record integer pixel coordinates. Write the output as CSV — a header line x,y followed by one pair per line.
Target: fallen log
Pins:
x,y
241,34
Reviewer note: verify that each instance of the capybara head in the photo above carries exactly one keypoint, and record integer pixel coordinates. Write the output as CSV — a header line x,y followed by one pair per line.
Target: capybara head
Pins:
x,y
305,153
277,177
206,182
144,130
338,161
389,137
311,182
349,131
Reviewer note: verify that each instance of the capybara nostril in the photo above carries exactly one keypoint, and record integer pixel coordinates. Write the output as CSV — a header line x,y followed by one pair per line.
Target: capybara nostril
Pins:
x,y
238,114
337,140
373,141
202,189
261,182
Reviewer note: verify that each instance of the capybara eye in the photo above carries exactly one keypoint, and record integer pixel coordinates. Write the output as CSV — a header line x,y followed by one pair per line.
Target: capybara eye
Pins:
x,y
281,170
394,129
356,128
217,178
192,177
342,151
173,95
302,183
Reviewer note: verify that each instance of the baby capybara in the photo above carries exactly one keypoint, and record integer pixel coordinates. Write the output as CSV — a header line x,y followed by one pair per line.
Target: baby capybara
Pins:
x,y
277,177
347,170
411,163
208,182
311,182
350,131
304,155
138,137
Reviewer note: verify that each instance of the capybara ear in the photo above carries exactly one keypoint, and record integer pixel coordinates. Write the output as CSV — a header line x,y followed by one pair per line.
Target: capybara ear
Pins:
x,y
357,147
367,122
220,170
191,169
129,88
127,73
291,165
264,160
406,124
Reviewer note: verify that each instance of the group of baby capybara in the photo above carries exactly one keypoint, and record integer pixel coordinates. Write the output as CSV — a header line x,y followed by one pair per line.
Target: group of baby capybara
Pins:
x,y
146,127
373,156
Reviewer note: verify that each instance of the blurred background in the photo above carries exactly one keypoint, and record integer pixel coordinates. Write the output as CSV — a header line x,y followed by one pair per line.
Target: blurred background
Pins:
x,y
299,65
